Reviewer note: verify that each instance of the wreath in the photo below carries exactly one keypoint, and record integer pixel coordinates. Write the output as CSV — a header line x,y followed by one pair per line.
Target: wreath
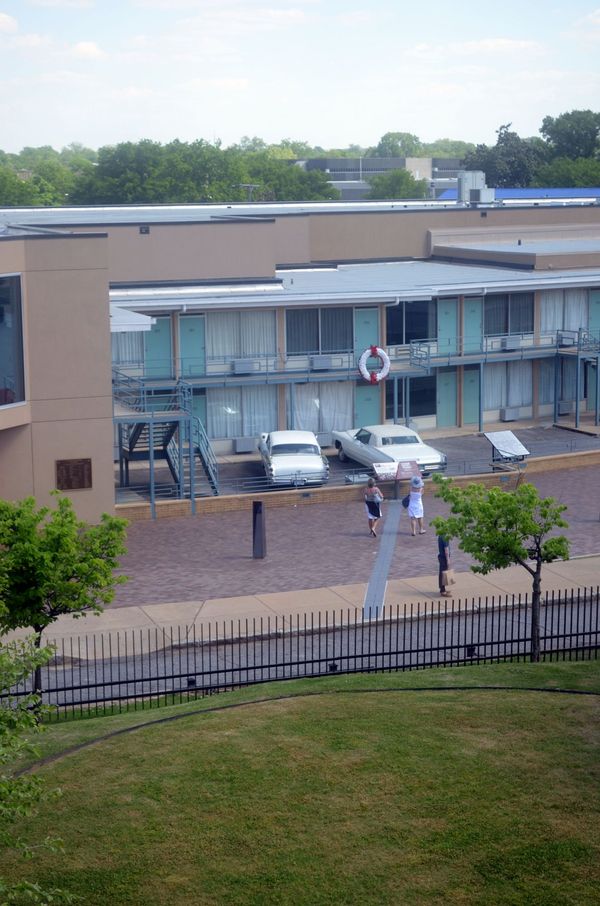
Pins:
x,y
374,377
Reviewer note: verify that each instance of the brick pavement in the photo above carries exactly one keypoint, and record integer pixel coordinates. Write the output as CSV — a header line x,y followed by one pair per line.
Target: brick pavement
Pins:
x,y
203,557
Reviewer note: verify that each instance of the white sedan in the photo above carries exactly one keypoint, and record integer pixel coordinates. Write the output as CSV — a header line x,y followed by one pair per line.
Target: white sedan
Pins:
x,y
293,458
388,443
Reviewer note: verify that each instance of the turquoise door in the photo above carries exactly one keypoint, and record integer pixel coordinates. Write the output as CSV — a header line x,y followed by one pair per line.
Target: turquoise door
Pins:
x,y
470,397
594,320
367,405
192,345
473,325
157,350
366,333
446,398
447,326
199,405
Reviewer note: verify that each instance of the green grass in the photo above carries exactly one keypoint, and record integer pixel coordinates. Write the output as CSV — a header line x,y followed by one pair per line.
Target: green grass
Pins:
x,y
462,797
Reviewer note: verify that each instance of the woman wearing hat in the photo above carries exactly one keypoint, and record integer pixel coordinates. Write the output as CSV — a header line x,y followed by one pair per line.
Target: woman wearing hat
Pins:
x,y
415,505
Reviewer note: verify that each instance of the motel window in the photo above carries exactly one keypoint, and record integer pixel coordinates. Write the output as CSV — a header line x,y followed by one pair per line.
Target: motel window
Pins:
x,y
319,330
12,381
411,321
508,314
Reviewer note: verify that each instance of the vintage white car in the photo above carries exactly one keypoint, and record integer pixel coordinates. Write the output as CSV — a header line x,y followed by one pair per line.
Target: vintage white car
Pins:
x,y
388,443
293,458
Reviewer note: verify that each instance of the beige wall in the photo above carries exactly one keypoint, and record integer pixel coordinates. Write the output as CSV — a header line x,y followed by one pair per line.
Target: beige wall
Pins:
x,y
64,289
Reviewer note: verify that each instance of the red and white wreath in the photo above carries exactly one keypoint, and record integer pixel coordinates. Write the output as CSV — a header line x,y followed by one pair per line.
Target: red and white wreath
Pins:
x,y
374,377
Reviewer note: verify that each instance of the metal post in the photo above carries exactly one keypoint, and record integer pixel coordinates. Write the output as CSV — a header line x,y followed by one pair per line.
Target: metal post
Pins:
x,y
395,385
259,535
597,419
407,402
192,455
556,385
151,452
292,407
481,389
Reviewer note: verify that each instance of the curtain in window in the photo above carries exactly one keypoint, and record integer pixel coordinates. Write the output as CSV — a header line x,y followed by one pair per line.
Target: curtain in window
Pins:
x,y
495,310
337,409
127,347
223,335
521,313
258,333
569,379
337,330
307,405
546,388
520,387
259,410
576,309
302,331
494,385
552,310
223,412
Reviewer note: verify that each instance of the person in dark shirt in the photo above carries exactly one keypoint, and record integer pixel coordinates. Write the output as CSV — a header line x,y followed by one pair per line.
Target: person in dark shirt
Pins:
x,y
444,564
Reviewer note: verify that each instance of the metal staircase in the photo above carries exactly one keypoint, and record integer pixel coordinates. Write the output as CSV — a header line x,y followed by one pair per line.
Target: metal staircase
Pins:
x,y
157,424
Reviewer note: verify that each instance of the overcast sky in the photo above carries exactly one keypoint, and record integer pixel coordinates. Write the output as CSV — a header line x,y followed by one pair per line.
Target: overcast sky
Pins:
x,y
330,72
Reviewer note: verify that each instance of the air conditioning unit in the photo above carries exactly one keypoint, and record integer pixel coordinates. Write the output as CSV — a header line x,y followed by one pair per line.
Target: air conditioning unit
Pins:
x,y
510,414
566,407
244,444
565,339
511,343
244,366
321,362
482,196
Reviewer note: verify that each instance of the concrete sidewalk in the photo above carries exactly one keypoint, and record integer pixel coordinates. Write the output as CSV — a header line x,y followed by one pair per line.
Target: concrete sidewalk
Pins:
x,y
178,618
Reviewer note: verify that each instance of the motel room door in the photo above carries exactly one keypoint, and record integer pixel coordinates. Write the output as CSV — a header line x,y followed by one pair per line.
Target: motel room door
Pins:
x,y
157,350
470,395
192,345
447,326
446,398
473,325
367,397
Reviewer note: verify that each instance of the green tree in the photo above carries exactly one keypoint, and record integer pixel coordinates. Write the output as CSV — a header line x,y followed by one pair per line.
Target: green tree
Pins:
x,y
21,794
14,191
53,564
397,144
502,528
447,147
281,180
512,162
563,172
574,134
397,184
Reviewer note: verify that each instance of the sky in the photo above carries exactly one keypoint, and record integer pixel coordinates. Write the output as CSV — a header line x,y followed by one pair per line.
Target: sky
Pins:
x,y
328,72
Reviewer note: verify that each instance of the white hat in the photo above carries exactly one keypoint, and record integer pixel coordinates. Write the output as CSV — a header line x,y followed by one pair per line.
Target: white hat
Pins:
x,y
416,481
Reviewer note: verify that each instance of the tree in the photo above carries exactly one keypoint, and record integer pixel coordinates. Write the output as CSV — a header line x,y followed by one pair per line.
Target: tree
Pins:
x,y
281,180
14,191
53,564
501,528
398,144
19,795
574,134
511,163
563,172
397,184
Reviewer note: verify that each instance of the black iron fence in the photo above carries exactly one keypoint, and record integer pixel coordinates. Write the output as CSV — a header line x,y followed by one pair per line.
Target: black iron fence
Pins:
x,y
108,672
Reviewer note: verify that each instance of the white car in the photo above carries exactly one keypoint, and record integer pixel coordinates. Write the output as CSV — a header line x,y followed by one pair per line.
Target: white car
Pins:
x,y
388,443
293,458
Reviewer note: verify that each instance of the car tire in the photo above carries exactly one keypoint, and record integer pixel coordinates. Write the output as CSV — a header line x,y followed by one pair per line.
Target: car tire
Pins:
x,y
341,455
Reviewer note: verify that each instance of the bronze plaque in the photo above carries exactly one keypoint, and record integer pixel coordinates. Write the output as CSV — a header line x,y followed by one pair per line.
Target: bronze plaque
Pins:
x,y
73,474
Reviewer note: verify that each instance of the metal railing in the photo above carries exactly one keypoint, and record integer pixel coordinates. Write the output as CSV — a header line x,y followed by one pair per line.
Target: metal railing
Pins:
x,y
103,673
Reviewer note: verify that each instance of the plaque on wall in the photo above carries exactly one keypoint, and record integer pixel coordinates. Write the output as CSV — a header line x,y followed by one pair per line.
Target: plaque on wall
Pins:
x,y
73,474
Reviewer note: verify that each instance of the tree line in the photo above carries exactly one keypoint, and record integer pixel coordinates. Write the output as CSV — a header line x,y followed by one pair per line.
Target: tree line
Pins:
x,y
566,153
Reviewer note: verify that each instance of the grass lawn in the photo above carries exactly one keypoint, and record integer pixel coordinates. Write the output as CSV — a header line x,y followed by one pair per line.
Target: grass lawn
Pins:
x,y
382,797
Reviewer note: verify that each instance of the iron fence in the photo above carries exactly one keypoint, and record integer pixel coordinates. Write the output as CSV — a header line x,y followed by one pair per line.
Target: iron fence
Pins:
x,y
108,672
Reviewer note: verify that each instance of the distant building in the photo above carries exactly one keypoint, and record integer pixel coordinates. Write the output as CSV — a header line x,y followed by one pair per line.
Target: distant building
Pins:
x,y
350,175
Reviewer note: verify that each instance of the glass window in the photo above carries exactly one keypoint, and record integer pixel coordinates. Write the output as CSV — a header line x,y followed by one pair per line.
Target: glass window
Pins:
x,y
420,320
302,331
389,399
422,396
394,317
495,315
12,381
521,313
337,330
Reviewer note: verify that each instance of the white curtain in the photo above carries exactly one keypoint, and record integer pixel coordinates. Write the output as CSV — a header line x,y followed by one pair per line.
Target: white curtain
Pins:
x,y
336,406
520,384
552,310
576,309
258,333
222,335
259,410
494,385
224,412
307,405
546,373
127,347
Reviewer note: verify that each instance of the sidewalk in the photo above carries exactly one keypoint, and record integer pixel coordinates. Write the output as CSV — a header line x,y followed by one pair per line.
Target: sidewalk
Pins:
x,y
343,600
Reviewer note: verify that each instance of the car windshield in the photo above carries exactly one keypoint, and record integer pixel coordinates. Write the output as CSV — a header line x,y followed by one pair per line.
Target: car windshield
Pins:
x,y
294,449
396,439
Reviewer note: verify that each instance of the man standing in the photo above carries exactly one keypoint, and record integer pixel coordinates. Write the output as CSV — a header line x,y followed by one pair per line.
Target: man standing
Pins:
x,y
444,564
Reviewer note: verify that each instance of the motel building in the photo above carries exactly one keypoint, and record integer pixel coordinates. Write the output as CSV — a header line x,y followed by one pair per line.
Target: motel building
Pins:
x,y
178,334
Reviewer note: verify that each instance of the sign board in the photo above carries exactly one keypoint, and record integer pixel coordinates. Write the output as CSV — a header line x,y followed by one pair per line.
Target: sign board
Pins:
x,y
73,474
506,446
395,471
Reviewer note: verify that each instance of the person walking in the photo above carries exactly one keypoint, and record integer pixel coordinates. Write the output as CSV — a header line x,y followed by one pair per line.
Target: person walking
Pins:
x,y
373,501
415,505
444,564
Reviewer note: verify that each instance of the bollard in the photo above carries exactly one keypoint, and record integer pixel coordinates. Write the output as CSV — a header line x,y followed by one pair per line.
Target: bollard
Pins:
x,y
259,535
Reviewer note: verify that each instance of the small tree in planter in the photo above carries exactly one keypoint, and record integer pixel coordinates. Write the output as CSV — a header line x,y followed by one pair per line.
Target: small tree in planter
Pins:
x,y
53,564
500,528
